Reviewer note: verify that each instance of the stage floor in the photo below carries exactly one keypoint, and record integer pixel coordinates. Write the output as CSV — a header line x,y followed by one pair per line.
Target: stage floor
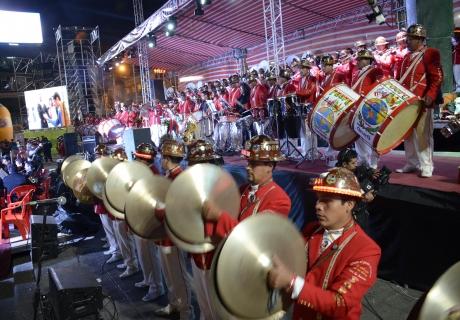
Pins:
x,y
444,177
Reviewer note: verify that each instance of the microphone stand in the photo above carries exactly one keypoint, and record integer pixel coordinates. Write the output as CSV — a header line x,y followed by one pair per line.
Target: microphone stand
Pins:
x,y
37,294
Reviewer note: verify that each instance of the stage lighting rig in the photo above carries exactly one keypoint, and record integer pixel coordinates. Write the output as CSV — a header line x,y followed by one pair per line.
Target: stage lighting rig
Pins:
x,y
377,13
151,40
170,27
198,8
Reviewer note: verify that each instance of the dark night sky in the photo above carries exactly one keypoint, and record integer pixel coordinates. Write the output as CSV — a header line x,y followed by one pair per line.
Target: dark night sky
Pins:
x,y
115,19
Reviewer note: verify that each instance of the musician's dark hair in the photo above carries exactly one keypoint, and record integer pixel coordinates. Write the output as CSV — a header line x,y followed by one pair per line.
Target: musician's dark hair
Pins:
x,y
345,156
56,95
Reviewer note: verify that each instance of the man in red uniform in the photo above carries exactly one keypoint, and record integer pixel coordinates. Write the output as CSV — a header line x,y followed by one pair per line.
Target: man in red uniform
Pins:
x,y
200,151
272,86
346,65
147,251
261,194
362,81
124,116
258,97
235,92
172,259
421,73
285,87
329,77
400,51
342,259
306,84
101,150
383,56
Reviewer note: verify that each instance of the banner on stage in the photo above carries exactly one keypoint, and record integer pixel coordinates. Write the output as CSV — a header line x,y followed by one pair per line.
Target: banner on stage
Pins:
x,y
47,108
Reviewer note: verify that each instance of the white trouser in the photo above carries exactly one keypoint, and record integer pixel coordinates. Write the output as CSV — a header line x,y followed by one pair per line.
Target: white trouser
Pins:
x,y
308,139
457,77
125,243
177,280
366,155
419,146
149,261
109,232
201,282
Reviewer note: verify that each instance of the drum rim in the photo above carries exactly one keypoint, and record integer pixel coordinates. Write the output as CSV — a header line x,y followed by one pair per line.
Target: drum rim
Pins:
x,y
387,121
340,118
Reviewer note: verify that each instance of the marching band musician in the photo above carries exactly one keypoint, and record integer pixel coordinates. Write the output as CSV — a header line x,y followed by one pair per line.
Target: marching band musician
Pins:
x,y
362,81
261,194
124,239
261,78
329,76
133,115
342,260
346,65
124,115
285,87
147,251
235,92
360,45
201,151
306,84
101,150
421,73
258,97
272,86
295,68
186,105
400,51
172,259
384,57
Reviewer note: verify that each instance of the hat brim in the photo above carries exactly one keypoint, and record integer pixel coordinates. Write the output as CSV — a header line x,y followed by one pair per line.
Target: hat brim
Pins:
x,y
334,190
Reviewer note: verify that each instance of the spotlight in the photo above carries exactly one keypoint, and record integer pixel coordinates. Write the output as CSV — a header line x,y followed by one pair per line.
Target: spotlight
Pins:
x,y
377,13
199,10
205,2
117,64
151,40
170,27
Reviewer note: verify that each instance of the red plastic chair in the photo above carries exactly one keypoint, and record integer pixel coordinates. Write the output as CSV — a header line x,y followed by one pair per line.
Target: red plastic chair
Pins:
x,y
17,213
18,193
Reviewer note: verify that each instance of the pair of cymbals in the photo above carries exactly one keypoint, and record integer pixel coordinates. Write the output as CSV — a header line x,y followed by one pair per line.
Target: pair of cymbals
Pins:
x,y
98,173
80,188
143,199
68,161
118,184
242,261
443,300
70,174
184,204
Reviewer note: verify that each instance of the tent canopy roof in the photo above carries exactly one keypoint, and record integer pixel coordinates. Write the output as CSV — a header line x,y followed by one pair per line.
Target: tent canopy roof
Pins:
x,y
228,25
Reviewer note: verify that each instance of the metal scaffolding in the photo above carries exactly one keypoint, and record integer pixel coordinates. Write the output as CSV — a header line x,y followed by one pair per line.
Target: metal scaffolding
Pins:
x,y
274,35
77,50
142,53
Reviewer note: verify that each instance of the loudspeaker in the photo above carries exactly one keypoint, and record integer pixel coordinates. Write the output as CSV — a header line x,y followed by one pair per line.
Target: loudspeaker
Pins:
x,y
158,89
50,230
89,143
133,137
70,143
73,292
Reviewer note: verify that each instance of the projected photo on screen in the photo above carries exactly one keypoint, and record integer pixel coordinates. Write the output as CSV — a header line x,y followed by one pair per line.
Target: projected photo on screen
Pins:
x,y
47,108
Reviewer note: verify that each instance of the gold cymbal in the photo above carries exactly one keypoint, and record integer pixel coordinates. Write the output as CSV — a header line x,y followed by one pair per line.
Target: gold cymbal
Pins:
x,y
241,264
140,206
69,160
98,173
443,299
120,181
80,189
184,202
117,214
69,174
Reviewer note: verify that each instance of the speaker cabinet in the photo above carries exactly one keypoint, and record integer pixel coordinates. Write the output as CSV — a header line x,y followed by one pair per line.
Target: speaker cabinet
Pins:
x,y
133,137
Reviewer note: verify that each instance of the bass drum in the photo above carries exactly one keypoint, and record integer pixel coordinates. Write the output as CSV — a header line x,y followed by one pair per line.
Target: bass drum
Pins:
x,y
207,126
110,129
387,115
330,118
